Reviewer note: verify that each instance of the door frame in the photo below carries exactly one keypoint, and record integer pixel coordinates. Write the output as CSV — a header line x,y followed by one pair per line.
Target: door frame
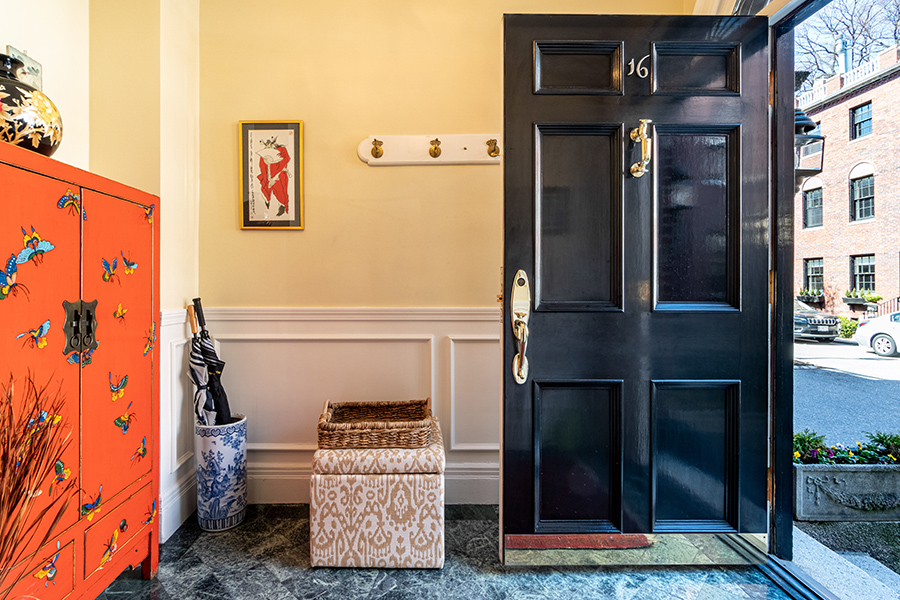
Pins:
x,y
782,280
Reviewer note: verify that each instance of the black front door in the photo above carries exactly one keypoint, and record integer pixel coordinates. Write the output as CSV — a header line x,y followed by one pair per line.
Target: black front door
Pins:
x,y
642,267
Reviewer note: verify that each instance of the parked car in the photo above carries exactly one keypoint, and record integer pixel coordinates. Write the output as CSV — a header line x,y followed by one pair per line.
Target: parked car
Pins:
x,y
813,324
881,333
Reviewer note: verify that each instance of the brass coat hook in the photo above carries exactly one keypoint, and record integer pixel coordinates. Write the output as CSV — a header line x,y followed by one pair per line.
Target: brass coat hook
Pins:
x,y
434,149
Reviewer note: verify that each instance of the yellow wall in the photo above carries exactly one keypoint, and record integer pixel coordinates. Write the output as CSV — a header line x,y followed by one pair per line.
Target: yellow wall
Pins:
x,y
144,125
125,92
59,40
179,92
391,236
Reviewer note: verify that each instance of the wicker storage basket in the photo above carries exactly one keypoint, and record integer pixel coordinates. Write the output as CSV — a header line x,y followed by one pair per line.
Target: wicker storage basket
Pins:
x,y
390,424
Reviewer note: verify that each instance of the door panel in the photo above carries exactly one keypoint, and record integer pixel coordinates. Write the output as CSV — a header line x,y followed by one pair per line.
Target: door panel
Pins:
x,y
646,405
698,217
40,261
118,275
696,69
578,68
578,463
694,450
579,212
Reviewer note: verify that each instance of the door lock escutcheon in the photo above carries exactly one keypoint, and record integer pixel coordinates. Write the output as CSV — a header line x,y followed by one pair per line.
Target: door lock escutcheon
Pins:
x,y
520,312
80,326
641,134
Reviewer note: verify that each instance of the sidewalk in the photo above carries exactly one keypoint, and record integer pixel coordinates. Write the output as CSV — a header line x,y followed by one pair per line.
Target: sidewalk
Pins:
x,y
853,572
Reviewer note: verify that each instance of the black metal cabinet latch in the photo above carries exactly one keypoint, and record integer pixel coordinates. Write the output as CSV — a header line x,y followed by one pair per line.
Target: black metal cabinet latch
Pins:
x,y
80,326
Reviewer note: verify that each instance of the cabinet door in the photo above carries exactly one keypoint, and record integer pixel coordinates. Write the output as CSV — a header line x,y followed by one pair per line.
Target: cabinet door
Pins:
x,y
117,384
39,259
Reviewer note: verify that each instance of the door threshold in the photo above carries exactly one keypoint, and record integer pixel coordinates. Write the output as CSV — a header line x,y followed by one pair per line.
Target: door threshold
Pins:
x,y
656,549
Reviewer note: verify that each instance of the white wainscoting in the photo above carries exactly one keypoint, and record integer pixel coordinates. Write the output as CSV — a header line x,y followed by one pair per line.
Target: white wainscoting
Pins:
x,y
283,363
177,472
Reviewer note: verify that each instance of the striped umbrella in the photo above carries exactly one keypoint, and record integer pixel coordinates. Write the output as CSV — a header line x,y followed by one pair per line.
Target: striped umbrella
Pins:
x,y
203,401
214,367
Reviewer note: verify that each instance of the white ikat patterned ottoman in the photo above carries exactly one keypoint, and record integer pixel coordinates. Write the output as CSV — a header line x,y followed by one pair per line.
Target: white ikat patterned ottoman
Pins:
x,y
380,507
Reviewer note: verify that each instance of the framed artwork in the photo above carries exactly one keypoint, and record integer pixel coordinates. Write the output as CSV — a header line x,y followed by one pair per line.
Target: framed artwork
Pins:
x,y
271,174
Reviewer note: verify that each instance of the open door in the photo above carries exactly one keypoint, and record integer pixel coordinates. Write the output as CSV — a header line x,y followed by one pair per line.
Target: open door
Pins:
x,y
635,338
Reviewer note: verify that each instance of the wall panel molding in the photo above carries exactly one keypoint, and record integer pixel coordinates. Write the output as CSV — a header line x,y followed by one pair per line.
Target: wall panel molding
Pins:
x,y
177,474
457,408
354,314
175,404
283,363
288,483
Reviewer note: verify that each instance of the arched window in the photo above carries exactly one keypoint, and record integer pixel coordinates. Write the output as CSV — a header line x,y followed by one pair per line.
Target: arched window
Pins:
x,y
862,192
812,202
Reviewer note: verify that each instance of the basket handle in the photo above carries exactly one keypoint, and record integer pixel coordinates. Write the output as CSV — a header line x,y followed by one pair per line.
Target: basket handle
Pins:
x,y
325,408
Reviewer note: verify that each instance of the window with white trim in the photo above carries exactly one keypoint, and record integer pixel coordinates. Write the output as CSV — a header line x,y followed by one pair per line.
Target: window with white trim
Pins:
x,y
812,208
862,192
861,121
864,272
862,198
814,271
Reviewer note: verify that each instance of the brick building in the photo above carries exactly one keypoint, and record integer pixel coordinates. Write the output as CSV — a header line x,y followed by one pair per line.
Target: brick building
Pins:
x,y
847,219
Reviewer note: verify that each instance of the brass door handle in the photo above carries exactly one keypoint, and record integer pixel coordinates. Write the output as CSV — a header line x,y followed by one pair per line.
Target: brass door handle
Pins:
x,y
641,134
520,311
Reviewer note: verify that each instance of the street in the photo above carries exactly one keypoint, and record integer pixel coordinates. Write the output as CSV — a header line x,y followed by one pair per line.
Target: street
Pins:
x,y
842,390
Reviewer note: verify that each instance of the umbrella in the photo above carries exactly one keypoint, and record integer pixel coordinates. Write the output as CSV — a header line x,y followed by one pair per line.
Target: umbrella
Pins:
x,y
203,401
214,366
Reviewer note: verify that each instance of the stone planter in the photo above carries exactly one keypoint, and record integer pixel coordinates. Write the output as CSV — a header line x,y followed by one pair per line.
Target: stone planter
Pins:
x,y
853,301
811,299
847,492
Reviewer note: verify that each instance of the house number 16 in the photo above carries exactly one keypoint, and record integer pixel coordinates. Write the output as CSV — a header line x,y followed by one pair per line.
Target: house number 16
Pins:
x,y
641,70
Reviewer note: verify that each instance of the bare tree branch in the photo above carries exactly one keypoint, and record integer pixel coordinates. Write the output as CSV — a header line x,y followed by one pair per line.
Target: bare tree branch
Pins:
x,y
863,27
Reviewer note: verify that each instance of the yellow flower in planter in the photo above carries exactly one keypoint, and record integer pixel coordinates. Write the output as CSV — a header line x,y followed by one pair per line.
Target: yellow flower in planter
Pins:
x,y
797,454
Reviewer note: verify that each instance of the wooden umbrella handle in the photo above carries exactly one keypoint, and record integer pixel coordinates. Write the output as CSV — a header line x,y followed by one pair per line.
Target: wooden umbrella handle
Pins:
x,y
192,317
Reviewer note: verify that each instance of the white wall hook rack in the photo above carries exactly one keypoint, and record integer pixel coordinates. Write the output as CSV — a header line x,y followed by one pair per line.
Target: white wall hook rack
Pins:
x,y
459,149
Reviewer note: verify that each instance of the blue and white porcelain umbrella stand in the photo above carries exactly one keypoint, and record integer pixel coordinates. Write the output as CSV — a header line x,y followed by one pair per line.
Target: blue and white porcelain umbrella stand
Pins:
x,y
221,452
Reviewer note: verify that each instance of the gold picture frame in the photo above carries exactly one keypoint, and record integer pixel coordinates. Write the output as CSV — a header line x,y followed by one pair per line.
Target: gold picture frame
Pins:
x,y
271,174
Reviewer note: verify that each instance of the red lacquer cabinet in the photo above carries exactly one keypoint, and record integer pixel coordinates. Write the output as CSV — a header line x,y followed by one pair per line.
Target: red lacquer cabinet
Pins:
x,y
79,308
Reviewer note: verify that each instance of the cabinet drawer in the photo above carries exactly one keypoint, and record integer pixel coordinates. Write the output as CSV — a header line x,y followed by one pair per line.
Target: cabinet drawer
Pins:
x,y
51,578
106,542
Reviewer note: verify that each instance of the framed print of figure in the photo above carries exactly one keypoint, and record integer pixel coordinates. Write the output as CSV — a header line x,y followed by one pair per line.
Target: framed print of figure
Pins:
x,y
271,174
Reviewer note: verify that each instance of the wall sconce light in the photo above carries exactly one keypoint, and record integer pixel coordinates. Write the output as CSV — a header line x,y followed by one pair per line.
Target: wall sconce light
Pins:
x,y
809,147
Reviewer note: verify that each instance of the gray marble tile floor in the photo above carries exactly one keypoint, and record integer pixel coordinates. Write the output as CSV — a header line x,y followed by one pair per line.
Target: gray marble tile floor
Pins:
x,y
267,557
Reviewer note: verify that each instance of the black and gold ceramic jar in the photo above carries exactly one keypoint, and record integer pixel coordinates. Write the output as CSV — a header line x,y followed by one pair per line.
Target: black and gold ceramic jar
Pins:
x,y
27,117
